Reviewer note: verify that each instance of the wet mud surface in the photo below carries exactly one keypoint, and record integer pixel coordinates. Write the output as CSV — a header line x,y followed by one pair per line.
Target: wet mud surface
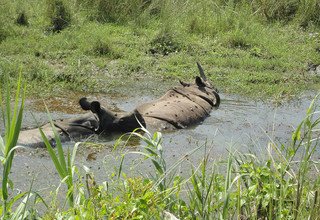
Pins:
x,y
238,124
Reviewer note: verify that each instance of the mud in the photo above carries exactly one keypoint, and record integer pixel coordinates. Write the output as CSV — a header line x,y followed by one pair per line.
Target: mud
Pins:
x,y
238,124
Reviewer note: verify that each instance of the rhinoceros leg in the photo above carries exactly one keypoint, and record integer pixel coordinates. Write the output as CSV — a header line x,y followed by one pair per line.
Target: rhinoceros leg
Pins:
x,y
110,121
68,129
32,137
159,124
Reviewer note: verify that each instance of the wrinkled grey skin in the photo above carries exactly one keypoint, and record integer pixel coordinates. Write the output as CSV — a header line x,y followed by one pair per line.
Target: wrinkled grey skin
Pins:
x,y
182,106
68,129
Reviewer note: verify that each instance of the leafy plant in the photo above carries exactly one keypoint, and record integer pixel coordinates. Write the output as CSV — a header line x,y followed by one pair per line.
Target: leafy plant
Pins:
x,y
22,19
164,44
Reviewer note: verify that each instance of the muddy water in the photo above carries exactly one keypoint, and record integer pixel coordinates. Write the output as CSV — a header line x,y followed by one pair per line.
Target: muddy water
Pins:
x,y
238,124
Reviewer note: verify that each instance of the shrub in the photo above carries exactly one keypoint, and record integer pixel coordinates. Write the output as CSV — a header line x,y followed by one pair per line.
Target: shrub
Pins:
x,y
59,15
164,44
22,19
104,48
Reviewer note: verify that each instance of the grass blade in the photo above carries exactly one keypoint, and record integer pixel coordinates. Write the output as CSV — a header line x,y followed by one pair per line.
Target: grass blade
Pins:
x,y
52,154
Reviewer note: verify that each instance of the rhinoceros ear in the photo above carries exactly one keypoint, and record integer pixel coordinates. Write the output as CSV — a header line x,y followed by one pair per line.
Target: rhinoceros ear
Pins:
x,y
95,107
85,105
200,82
184,84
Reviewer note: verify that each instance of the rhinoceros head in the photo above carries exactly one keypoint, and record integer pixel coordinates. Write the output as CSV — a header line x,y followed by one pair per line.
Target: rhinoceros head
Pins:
x,y
203,88
111,121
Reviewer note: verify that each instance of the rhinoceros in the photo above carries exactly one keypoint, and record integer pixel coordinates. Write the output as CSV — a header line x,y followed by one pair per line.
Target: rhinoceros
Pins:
x,y
181,106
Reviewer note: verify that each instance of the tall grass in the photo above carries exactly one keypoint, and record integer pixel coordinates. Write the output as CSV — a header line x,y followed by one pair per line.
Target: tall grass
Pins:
x,y
12,122
201,189
64,165
204,16
12,119
151,149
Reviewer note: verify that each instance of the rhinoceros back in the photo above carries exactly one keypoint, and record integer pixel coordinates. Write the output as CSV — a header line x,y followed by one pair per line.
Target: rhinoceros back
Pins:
x,y
179,107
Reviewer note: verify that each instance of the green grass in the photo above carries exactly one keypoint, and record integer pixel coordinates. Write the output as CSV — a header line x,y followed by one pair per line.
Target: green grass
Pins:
x,y
282,185
258,49
64,165
13,206
12,122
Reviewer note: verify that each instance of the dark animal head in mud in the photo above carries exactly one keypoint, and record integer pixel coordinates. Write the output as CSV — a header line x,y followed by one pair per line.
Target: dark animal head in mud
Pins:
x,y
112,121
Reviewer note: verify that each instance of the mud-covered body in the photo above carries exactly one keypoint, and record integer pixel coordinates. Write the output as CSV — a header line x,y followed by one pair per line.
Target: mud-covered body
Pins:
x,y
182,106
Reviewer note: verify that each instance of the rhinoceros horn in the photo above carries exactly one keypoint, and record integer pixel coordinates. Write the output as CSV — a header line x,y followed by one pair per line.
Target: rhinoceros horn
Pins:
x,y
203,76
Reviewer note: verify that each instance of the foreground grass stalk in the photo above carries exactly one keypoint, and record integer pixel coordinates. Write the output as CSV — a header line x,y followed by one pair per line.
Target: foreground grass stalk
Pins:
x,y
227,188
201,190
64,166
309,143
12,129
154,152
164,180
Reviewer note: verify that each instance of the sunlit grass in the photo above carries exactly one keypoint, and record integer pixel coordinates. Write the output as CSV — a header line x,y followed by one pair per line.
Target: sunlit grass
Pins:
x,y
232,39
63,164
256,48
12,122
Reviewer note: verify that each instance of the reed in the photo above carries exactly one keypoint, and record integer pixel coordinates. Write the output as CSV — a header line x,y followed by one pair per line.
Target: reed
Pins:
x,y
12,122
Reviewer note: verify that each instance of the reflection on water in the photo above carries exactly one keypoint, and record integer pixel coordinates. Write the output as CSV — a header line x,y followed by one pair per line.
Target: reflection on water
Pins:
x,y
238,124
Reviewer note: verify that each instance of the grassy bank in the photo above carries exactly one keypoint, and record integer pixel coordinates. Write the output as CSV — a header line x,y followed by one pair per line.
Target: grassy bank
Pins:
x,y
282,185
260,49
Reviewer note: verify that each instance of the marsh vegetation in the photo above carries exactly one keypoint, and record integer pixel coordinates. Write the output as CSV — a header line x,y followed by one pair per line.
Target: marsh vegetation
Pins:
x,y
261,49
284,184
